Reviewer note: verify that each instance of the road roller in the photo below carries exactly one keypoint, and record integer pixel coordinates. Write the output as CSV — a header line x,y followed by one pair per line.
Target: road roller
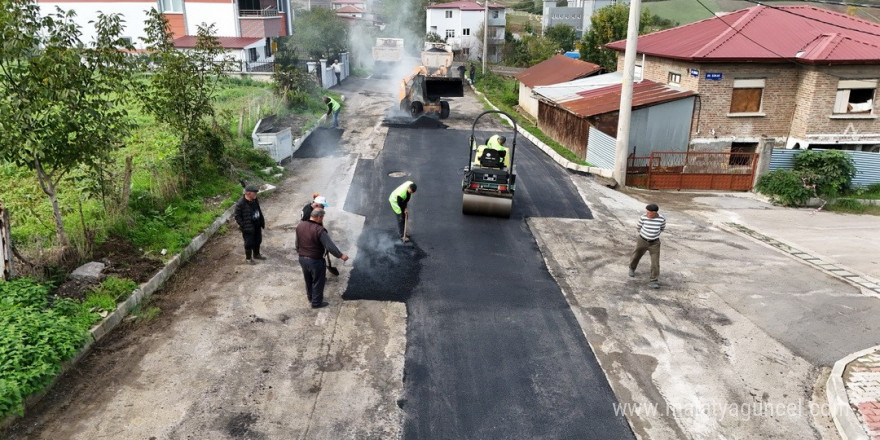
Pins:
x,y
489,178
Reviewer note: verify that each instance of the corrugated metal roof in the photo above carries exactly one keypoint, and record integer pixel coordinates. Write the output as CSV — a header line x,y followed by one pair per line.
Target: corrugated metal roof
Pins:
x,y
569,90
768,34
556,69
607,99
465,6
189,41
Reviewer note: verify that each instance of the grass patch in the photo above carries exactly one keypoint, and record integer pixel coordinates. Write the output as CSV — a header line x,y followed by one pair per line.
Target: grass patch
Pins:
x,y
681,11
145,312
38,333
504,94
852,206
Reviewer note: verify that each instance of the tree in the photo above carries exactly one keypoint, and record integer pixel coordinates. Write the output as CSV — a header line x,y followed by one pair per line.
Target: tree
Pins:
x,y
608,24
562,35
182,89
61,106
320,33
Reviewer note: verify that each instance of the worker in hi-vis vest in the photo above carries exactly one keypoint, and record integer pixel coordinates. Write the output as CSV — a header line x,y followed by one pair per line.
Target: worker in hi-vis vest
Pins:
x,y
399,198
333,106
496,142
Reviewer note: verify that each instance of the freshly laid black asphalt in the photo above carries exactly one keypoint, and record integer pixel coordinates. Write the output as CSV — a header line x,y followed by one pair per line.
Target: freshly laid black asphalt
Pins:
x,y
493,349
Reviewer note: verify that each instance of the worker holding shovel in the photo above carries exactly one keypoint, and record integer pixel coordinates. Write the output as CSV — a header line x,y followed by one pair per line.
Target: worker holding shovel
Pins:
x,y
399,198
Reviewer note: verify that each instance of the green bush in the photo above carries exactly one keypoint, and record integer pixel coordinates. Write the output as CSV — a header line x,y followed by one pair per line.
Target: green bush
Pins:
x,y
35,339
785,187
831,170
116,288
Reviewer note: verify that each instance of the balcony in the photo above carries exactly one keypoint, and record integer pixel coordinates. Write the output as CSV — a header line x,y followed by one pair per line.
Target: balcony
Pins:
x,y
269,12
261,23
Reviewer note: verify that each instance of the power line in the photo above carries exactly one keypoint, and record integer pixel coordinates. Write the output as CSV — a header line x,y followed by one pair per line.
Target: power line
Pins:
x,y
843,3
810,18
721,17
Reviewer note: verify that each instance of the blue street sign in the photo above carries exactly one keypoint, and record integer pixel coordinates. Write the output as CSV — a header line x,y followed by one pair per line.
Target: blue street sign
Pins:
x,y
713,76
695,73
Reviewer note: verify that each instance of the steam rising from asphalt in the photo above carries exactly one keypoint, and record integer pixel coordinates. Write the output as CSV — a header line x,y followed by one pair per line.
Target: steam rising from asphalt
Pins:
x,y
385,269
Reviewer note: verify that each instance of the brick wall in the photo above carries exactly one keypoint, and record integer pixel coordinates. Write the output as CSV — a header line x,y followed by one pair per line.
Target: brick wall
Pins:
x,y
816,96
796,106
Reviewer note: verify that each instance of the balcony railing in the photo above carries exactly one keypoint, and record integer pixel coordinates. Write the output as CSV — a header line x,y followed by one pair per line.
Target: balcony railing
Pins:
x,y
258,13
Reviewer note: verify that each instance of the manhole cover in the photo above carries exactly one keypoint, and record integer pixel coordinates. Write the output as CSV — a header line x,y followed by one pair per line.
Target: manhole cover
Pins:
x,y
398,174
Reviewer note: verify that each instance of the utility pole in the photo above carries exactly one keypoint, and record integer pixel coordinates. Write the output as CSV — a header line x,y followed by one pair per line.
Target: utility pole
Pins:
x,y
485,35
626,93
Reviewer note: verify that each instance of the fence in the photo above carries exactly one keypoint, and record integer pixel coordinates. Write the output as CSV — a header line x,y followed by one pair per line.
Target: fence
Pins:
x,y
867,164
693,170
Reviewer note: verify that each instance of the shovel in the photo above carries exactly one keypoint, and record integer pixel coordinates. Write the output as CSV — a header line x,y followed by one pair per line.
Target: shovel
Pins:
x,y
333,271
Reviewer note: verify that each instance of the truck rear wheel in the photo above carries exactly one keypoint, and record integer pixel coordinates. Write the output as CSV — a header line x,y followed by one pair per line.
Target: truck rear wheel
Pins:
x,y
444,109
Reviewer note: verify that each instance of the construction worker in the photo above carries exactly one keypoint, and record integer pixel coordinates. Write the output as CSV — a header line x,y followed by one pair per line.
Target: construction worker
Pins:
x,y
399,198
496,142
333,107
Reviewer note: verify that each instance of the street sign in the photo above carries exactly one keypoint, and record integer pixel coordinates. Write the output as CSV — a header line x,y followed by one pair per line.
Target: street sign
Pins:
x,y
714,76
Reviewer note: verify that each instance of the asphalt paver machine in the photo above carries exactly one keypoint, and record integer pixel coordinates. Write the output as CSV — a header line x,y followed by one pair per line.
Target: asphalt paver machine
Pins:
x,y
489,178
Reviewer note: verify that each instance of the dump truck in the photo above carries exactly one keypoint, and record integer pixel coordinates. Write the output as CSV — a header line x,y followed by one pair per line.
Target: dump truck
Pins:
x,y
387,55
422,91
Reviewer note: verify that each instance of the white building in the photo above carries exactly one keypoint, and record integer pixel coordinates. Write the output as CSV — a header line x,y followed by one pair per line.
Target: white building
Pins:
x,y
258,21
461,24
577,14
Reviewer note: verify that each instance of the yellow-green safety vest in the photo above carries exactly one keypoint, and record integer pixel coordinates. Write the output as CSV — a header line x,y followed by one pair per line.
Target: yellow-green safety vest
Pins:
x,y
399,192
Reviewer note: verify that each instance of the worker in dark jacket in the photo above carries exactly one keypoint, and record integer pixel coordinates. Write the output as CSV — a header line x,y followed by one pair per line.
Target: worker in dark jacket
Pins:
x,y
399,198
250,220
312,242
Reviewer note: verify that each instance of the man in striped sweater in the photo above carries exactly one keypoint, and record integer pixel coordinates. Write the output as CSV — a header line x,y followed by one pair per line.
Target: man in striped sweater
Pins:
x,y
651,224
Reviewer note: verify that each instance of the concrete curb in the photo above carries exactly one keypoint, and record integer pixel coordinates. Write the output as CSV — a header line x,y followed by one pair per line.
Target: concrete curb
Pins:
x,y
565,163
865,284
144,291
842,413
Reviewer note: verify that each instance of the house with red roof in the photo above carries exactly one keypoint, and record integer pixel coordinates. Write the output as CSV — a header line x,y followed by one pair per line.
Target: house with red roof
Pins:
x,y
772,77
556,69
245,28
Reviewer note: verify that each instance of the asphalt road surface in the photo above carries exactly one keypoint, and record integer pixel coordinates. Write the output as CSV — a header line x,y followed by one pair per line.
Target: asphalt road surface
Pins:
x,y
493,348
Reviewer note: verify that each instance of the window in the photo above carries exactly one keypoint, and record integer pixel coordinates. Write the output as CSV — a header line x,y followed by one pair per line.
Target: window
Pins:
x,y
674,79
268,49
741,159
637,73
448,14
450,33
466,31
466,52
252,54
434,29
171,5
746,97
494,14
855,96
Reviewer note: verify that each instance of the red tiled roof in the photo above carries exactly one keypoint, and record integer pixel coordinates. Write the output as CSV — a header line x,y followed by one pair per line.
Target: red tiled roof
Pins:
x,y
607,99
556,69
189,42
768,34
349,9
465,6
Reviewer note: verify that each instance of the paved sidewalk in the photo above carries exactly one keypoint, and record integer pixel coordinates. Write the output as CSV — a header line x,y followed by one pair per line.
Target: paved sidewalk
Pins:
x,y
861,377
841,245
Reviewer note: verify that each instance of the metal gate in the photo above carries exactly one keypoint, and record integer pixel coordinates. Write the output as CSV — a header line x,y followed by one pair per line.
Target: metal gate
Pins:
x,y
692,170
